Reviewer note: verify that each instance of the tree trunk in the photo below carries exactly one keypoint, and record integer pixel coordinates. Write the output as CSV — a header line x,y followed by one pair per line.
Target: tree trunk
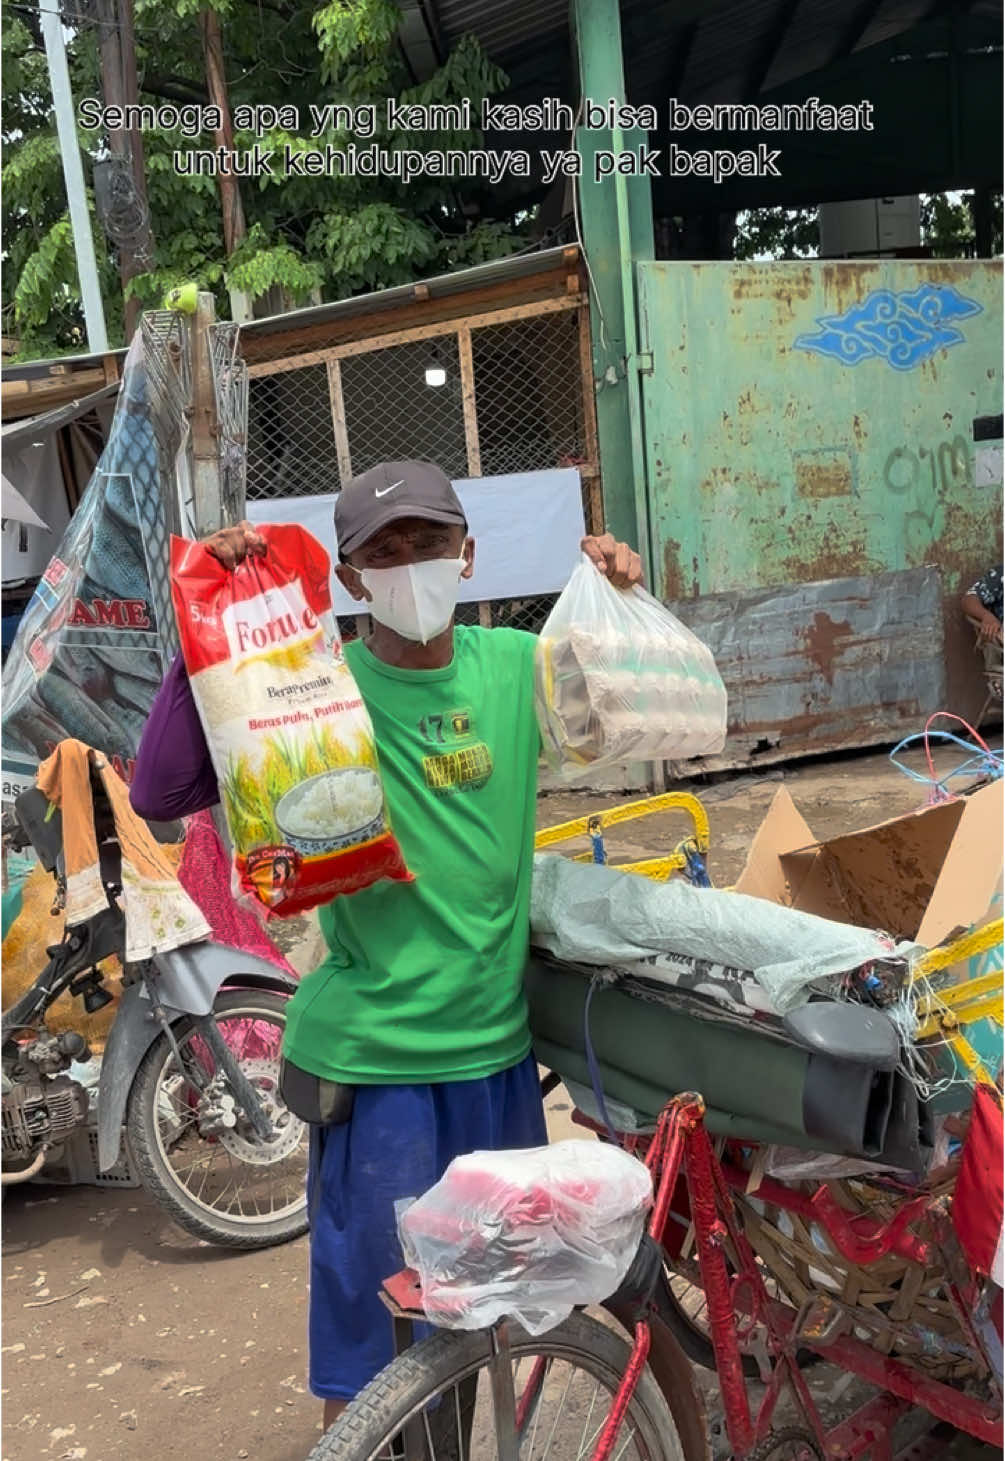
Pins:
x,y
234,226
120,86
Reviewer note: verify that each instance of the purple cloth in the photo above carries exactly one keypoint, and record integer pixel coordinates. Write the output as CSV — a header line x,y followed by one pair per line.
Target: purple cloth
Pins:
x,y
174,775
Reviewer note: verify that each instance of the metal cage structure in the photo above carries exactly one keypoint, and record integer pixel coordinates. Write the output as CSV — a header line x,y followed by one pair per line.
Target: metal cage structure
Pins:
x,y
505,391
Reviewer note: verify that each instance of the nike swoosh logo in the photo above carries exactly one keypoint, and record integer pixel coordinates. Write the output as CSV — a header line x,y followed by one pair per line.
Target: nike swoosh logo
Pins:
x,y
383,491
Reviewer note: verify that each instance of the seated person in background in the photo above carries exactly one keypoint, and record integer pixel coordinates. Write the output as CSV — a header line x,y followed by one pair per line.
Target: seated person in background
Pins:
x,y
983,604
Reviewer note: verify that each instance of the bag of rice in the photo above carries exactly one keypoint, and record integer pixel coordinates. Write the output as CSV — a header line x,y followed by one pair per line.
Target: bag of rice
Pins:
x,y
619,679
289,735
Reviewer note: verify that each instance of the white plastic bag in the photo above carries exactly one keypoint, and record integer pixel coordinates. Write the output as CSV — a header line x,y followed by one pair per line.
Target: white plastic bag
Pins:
x,y
620,679
526,1234
790,1164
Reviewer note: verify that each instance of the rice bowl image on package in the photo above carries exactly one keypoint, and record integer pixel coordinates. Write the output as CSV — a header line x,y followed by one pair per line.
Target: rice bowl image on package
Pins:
x,y
290,738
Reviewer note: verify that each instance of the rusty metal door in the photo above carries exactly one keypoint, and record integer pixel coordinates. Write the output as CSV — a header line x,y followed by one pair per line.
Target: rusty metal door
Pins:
x,y
809,422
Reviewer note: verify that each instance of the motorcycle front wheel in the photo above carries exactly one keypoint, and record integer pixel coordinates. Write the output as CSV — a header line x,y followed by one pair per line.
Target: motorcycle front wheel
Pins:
x,y
194,1149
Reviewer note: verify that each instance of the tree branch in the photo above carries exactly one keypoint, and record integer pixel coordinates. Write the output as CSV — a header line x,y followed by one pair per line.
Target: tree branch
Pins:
x,y
175,88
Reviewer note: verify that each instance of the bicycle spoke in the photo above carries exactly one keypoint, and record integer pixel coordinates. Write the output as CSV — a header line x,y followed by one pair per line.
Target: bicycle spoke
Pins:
x,y
429,1436
594,1438
586,1424
507,1387
558,1417
628,1441
460,1427
541,1378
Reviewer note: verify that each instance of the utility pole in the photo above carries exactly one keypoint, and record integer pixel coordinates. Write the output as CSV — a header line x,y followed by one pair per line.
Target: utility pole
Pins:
x,y
117,52
234,226
73,176
131,93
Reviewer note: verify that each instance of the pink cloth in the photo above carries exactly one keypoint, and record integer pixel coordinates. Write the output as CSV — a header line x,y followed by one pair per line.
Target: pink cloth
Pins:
x,y
205,875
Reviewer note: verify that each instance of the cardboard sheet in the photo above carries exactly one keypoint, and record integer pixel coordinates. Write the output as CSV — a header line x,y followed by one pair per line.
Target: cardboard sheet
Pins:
x,y
921,877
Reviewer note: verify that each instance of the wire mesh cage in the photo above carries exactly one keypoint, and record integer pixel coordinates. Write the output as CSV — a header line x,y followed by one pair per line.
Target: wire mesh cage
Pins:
x,y
167,360
291,440
405,403
481,396
229,373
528,388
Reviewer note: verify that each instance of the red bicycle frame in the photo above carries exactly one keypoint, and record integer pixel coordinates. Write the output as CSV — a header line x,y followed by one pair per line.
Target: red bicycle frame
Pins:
x,y
681,1142
738,1303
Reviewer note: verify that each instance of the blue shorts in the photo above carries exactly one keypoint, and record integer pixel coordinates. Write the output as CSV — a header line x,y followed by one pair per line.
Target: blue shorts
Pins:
x,y
397,1144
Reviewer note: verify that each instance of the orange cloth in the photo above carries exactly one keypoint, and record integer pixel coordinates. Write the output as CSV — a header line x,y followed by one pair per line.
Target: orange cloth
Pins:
x,y
24,957
159,914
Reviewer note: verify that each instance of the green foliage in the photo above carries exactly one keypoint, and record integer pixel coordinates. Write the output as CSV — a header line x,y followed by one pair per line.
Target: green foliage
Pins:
x,y
777,233
376,245
48,276
333,234
948,227
32,173
256,267
481,244
351,32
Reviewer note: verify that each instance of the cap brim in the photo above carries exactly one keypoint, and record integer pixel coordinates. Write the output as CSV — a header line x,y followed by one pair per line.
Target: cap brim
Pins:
x,y
394,512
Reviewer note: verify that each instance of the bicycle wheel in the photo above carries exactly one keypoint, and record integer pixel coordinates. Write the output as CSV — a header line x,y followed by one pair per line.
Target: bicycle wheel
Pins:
x,y
438,1402
220,1181
685,1313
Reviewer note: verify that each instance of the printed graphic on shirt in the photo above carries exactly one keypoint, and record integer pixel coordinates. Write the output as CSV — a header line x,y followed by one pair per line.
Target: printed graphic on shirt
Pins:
x,y
441,729
465,769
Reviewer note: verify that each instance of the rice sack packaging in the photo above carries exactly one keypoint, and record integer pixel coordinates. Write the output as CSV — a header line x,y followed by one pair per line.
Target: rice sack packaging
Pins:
x,y
287,730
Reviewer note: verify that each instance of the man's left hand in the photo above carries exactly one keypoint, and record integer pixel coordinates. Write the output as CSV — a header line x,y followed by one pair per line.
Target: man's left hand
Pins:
x,y
616,561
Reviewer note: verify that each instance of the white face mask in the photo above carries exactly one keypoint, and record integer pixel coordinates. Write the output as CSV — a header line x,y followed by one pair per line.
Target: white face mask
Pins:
x,y
416,600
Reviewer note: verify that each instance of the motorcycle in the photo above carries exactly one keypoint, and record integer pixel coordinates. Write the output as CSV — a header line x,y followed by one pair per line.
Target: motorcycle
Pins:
x,y
189,1073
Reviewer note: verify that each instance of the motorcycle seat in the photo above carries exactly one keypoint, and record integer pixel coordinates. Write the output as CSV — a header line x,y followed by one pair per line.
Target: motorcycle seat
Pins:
x,y
844,1031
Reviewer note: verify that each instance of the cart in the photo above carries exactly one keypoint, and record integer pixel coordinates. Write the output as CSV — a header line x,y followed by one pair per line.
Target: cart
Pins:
x,y
750,1275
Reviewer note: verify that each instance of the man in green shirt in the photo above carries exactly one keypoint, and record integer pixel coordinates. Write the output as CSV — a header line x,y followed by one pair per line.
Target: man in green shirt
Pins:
x,y
419,1002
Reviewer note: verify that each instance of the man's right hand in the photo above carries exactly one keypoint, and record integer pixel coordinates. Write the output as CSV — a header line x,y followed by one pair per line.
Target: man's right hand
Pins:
x,y
232,545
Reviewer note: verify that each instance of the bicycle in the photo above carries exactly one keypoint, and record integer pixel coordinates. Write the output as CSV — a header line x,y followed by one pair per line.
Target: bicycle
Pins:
x,y
863,1274
424,1406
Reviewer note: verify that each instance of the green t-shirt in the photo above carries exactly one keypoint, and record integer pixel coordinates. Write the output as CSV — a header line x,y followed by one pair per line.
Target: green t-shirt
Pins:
x,y
423,981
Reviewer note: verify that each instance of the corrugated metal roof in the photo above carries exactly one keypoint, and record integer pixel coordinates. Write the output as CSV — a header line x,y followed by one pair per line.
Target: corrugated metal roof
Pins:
x,y
517,266
504,27
730,35
48,421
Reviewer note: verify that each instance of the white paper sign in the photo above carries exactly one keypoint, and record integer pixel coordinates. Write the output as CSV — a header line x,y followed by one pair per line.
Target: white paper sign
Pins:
x,y
989,466
527,529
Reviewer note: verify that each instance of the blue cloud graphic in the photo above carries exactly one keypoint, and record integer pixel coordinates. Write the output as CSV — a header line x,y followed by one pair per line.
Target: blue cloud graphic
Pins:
x,y
903,329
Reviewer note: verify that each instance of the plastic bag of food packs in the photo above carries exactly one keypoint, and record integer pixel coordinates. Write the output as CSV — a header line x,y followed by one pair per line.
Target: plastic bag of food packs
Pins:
x,y
289,735
526,1234
620,679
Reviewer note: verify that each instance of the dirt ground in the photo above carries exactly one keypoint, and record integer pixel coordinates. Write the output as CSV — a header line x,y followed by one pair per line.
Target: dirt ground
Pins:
x,y
123,1337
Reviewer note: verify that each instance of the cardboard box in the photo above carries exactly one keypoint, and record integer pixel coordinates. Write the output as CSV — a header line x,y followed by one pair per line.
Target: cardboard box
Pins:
x,y
924,877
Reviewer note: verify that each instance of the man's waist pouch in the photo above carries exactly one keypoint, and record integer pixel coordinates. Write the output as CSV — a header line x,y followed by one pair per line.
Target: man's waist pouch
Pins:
x,y
313,1099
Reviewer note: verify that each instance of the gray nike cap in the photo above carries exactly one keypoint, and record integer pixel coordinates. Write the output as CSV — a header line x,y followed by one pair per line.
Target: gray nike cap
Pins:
x,y
388,492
